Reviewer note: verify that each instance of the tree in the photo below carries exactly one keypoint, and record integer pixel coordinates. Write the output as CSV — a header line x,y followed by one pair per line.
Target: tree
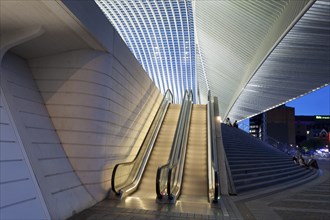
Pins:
x,y
313,144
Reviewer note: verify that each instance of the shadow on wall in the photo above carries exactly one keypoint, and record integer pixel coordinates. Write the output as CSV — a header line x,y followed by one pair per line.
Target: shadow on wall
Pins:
x,y
61,188
100,110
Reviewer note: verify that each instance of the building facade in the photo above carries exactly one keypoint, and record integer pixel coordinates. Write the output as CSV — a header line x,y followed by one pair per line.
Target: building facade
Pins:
x,y
277,124
309,127
280,124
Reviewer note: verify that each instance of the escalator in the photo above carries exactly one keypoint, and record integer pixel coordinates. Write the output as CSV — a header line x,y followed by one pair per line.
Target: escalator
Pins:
x,y
181,144
159,153
137,177
194,185
191,173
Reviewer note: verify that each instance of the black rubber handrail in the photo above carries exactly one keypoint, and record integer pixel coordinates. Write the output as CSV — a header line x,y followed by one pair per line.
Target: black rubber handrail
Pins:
x,y
176,150
213,174
113,177
174,190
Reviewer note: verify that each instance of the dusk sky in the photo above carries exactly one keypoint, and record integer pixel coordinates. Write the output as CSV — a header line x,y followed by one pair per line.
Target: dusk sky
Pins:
x,y
315,103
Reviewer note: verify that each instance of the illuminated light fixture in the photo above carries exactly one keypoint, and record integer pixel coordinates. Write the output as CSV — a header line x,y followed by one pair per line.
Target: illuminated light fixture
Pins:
x,y
322,117
160,34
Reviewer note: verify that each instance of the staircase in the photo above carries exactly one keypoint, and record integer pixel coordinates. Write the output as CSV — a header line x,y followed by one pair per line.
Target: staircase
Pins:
x,y
255,165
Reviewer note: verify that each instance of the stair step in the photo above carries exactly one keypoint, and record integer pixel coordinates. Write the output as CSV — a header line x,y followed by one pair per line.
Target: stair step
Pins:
x,y
257,169
258,162
296,178
254,164
252,180
248,174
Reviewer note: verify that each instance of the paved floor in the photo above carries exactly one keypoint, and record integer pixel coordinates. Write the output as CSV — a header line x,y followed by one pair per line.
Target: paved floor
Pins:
x,y
307,201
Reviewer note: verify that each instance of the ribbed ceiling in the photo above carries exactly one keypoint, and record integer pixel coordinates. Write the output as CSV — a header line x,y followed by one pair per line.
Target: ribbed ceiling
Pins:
x,y
234,37
252,54
161,36
298,65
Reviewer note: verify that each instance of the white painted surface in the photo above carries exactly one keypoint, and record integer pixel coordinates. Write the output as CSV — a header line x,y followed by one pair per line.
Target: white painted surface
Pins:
x,y
19,190
60,187
100,106
78,112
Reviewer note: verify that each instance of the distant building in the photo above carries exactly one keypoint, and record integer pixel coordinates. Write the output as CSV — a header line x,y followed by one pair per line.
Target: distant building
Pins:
x,y
278,124
256,124
308,127
281,125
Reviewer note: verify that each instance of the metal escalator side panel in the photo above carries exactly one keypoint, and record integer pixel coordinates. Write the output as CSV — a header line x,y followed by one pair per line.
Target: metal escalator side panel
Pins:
x,y
225,180
126,176
159,154
164,170
213,149
179,168
195,178
175,180
164,173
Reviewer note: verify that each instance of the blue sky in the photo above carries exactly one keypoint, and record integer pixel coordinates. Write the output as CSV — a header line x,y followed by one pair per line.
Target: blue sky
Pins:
x,y
315,103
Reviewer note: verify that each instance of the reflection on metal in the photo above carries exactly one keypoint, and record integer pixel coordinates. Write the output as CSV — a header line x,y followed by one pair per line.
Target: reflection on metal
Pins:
x,y
212,151
126,176
169,176
136,202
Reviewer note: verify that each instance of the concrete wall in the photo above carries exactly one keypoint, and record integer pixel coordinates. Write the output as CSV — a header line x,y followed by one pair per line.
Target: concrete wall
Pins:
x,y
75,114
60,186
100,108
18,187
78,114
93,112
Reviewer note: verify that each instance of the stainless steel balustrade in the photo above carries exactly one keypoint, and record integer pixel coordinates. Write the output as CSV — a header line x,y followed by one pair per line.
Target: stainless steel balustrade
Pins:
x,y
169,176
126,176
213,172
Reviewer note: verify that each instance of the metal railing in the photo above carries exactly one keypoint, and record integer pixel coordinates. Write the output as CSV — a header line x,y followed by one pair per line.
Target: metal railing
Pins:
x,y
284,147
213,172
126,176
169,176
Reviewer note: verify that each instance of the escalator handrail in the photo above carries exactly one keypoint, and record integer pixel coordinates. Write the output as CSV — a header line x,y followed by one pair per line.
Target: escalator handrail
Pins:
x,y
176,145
213,172
178,130
172,152
175,189
166,100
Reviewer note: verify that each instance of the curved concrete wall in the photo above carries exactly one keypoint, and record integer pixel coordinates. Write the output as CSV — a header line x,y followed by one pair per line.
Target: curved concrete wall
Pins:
x,y
61,188
100,108
19,188
76,113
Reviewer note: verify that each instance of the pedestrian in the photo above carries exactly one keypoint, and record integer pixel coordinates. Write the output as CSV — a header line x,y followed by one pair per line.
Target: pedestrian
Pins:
x,y
228,122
